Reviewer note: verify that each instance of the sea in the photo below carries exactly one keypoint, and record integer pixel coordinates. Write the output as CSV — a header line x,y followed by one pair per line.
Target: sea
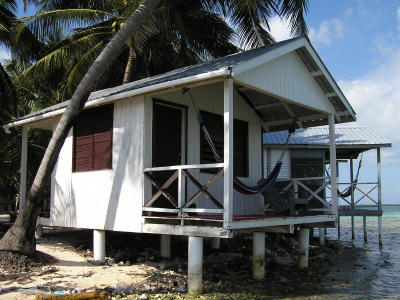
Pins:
x,y
364,270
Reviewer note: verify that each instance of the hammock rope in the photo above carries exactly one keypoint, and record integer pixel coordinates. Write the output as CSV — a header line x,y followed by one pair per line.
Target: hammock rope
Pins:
x,y
265,183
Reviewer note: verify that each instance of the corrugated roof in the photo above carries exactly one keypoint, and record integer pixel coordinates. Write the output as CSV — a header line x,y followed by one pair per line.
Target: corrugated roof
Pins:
x,y
345,137
213,65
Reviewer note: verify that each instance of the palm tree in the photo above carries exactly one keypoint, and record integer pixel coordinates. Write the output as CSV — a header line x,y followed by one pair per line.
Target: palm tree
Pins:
x,y
174,37
20,237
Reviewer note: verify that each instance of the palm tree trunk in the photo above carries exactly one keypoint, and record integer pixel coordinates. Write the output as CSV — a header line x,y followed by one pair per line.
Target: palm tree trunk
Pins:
x,y
20,237
129,63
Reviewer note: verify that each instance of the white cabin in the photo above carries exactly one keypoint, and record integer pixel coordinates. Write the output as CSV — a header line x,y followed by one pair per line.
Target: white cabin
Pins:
x,y
136,160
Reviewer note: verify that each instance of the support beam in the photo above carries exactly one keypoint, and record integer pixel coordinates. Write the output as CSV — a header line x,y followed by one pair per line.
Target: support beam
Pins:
x,y
215,243
165,246
99,245
365,228
379,168
352,198
304,245
24,160
332,162
228,152
258,255
195,264
322,236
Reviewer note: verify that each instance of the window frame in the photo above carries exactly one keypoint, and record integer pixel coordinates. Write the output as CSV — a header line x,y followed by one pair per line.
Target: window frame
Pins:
x,y
96,133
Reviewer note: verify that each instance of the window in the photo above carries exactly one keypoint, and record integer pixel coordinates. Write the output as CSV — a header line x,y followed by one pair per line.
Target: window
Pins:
x,y
215,126
93,139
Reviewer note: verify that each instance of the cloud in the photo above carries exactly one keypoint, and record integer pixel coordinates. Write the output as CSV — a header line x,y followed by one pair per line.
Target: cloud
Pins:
x,y
279,28
376,100
327,31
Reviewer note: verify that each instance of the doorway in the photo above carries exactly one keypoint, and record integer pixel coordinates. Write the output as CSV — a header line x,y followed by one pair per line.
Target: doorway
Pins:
x,y
169,144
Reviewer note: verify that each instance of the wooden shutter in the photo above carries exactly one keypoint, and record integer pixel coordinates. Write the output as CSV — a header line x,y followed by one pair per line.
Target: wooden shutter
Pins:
x,y
93,139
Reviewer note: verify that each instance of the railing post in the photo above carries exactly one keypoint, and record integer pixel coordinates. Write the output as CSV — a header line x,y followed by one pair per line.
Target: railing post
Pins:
x,y
24,160
352,198
228,152
181,192
332,162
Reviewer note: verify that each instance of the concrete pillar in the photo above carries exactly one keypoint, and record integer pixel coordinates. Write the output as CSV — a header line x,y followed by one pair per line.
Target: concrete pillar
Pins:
x,y
304,245
258,255
195,264
365,228
215,243
39,231
165,246
99,245
322,236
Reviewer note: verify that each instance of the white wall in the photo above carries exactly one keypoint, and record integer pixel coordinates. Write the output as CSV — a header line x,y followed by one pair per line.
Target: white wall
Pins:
x,y
106,199
271,156
288,77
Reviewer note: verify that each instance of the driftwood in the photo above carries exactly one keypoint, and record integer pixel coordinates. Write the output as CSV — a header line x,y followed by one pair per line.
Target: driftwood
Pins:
x,y
97,295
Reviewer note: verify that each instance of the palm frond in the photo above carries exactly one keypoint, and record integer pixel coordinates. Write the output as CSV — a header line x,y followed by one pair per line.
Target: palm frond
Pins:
x,y
43,23
294,11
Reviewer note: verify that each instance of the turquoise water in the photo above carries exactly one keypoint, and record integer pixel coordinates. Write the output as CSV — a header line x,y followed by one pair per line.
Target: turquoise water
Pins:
x,y
376,274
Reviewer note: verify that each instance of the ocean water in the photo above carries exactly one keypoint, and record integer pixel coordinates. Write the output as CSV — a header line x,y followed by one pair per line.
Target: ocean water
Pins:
x,y
372,272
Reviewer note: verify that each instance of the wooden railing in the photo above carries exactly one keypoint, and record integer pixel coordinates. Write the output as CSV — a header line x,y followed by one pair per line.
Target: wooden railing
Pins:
x,y
296,185
182,206
361,191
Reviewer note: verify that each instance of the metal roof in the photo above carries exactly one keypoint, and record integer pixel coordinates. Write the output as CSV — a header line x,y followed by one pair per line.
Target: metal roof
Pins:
x,y
226,66
346,137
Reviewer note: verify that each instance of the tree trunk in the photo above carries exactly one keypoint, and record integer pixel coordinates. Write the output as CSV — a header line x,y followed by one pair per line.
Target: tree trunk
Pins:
x,y
129,63
20,237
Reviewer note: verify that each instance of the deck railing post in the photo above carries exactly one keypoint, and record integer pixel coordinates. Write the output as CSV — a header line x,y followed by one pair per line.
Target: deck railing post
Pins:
x,y
181,192
378,164
24,160
228,152
332,162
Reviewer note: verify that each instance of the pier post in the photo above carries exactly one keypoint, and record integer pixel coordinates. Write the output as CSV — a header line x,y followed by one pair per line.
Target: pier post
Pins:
x,y
304,245
99,245
165,246
258,255
378,164
215,243
365,228
338,227
195,264
322,236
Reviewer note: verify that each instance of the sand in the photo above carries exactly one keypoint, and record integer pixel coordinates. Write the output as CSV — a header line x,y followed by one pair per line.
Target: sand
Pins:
x,y
73,271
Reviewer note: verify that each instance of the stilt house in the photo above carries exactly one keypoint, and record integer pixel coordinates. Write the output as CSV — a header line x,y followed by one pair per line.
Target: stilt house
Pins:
x,y
137,159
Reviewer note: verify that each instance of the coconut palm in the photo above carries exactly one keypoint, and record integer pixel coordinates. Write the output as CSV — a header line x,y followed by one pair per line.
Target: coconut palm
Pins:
x,y
20,237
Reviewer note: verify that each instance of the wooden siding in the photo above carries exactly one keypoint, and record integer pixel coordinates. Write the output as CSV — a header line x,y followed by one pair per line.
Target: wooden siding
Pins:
x,y
288,77
105,199
271,156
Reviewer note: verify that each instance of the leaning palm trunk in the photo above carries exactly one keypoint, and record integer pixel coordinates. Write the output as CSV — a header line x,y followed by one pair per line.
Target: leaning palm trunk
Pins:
x,y
20,237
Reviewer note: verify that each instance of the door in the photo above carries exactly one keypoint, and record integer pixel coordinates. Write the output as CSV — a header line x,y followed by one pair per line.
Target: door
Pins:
x,y
169,148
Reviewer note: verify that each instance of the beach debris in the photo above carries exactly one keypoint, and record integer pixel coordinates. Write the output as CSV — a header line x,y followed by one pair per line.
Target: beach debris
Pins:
x,y
143,297
96,295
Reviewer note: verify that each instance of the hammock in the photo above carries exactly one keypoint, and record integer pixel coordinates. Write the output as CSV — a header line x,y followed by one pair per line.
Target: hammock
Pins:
x,y
347,192
239,186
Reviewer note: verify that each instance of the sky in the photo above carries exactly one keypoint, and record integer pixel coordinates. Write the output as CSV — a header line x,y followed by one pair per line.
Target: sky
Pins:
x,y
359,42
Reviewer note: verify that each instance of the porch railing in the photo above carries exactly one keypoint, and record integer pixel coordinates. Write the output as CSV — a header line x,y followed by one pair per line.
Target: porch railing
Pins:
x,y
295,186
361,191
181,204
